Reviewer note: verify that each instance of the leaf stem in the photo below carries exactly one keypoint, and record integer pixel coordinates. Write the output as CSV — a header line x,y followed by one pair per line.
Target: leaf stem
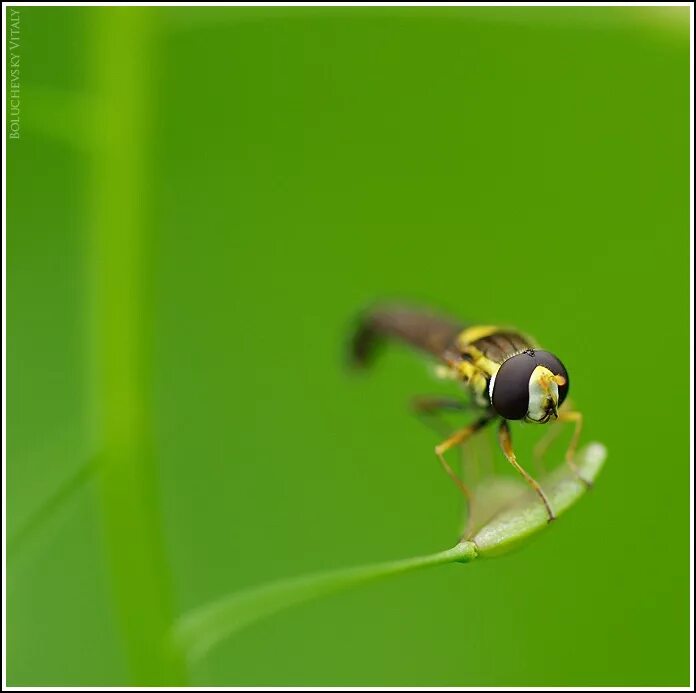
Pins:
x,y
199,630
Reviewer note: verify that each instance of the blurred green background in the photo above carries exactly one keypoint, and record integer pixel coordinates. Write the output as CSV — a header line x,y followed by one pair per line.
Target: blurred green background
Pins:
x,y
200,201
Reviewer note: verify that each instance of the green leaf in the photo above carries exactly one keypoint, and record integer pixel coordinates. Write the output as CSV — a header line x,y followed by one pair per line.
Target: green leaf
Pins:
x,y
198,631
526,516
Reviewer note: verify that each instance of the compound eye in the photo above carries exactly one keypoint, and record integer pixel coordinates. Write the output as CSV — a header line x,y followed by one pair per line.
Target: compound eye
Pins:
x,y
548,360
510,395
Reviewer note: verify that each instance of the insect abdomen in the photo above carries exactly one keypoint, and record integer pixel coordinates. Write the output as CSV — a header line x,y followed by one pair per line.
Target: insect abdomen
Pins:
x,y
417,328
501,345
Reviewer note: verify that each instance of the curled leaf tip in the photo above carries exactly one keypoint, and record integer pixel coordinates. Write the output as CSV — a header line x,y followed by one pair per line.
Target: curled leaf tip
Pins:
x,y
527,516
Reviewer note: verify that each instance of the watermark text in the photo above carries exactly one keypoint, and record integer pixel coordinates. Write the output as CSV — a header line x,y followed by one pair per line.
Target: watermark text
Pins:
x,y
14,68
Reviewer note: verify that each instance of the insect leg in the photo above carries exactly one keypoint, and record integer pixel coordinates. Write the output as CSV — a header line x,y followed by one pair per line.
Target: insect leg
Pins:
x,y
576,418
506,445
455,439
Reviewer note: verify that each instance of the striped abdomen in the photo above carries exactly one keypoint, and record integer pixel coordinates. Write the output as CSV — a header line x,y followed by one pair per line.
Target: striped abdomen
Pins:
x,y
493,343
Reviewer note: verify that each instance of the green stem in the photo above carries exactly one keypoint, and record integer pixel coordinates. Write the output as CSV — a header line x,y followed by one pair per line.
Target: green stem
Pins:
x,y
199,630
120,319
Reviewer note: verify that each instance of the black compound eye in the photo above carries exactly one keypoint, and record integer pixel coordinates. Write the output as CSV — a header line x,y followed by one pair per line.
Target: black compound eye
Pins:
x,y
548,360
510,396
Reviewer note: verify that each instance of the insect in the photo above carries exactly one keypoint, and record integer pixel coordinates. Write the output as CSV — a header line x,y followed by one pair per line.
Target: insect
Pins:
x,y
508,376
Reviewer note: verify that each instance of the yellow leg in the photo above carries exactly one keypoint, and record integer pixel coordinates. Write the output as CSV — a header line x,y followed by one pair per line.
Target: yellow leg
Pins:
x,y
506,445
455,439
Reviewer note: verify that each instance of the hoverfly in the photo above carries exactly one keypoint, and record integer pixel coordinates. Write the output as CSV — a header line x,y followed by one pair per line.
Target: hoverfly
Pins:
x,y
508,377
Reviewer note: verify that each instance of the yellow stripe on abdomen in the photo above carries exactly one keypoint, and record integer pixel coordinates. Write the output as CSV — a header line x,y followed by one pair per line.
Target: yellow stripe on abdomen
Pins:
x,y
471,334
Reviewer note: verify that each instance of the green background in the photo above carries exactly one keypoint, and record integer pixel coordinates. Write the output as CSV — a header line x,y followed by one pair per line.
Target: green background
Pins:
x,y
200,201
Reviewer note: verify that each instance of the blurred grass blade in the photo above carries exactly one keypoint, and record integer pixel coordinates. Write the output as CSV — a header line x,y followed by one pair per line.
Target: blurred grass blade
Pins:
x,y
119,312
198,631
43,515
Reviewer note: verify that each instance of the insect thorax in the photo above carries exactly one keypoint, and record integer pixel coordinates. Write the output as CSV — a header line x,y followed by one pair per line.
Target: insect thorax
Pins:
x,y
482,350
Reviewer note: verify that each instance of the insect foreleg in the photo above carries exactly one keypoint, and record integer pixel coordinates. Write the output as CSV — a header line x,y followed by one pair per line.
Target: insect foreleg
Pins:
x,y
455,439
506,445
